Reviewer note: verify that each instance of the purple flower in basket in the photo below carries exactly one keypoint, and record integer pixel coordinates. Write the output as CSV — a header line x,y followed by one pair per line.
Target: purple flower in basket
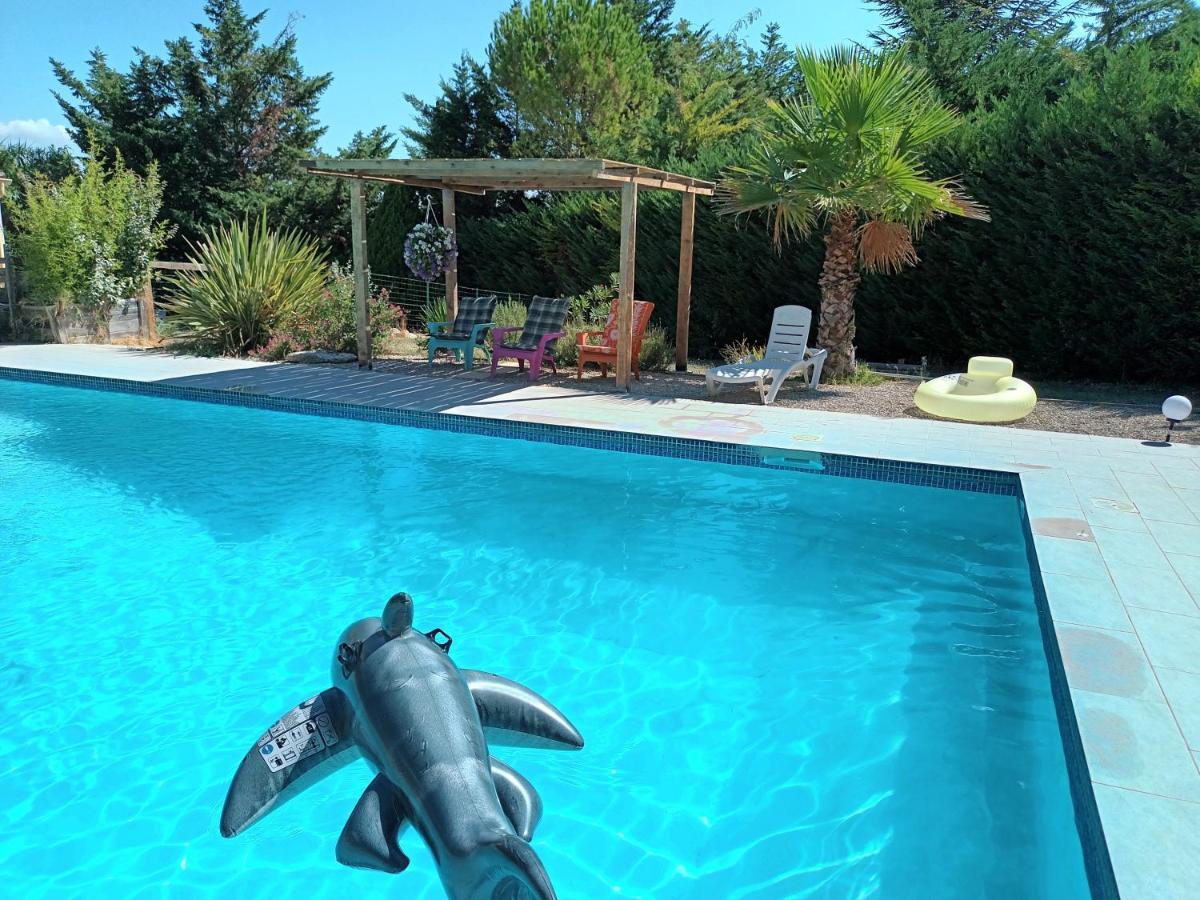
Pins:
x,y
429,250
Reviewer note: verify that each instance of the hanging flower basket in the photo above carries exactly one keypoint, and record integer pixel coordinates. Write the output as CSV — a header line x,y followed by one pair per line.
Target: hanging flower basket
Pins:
x,y
429,250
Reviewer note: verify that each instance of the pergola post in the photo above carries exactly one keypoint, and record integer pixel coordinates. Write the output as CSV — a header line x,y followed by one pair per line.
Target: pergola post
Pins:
x,y
683,308
449,221
362,287
629,194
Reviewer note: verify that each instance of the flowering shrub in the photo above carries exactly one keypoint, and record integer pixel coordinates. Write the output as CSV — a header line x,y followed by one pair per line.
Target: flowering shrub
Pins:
x,y
429,250
276,348
326,321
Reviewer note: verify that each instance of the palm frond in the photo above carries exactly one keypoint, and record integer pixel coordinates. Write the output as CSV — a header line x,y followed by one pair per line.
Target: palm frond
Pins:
x,y
885,247
849,144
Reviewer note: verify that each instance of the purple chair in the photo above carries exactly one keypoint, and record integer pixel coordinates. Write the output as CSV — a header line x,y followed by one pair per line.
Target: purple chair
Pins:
x,y
543,326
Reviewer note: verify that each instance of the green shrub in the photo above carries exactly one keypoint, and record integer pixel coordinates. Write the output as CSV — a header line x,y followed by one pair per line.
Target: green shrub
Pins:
x,y
253,280
742,349
593,304
862,376
566,350
658,351
509,314
328,321
87,241
435,311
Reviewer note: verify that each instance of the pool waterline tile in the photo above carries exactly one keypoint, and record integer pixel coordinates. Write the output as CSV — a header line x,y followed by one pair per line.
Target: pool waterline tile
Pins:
x,y
701,443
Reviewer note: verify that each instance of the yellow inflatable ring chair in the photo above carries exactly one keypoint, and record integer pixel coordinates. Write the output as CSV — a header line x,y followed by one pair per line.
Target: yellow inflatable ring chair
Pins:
x,y
987,392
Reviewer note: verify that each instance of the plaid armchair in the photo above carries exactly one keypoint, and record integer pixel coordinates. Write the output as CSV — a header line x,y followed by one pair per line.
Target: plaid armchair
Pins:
x,y
544,324
468,330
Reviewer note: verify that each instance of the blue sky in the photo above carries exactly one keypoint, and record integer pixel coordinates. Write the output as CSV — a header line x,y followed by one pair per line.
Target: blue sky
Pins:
x,y
377,50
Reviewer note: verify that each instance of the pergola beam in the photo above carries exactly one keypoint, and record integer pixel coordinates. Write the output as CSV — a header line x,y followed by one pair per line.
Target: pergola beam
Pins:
x,y
408,182
651,182
509,174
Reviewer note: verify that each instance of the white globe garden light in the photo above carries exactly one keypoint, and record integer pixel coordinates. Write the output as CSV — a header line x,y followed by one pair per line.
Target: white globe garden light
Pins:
x,y
1175,409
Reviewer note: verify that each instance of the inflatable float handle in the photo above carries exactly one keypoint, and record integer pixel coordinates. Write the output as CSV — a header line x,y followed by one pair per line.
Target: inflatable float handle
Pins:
x,y
443,645
347,656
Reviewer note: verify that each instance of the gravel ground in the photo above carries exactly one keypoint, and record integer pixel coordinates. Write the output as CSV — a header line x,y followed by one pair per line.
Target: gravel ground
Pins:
x,y
1116,410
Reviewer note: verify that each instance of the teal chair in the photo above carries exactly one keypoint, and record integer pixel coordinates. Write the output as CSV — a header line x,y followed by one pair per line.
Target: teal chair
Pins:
x,y
468,330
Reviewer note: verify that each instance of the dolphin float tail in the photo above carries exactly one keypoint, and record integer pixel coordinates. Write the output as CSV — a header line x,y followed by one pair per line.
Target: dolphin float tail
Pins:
x,y
512,871
308,743
514,716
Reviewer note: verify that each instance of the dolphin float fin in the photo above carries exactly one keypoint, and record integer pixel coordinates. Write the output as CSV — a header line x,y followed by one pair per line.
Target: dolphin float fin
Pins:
x,y
369,839
514,716
518,798
312,740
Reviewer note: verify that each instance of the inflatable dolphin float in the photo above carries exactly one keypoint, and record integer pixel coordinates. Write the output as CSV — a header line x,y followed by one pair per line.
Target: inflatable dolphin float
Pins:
x,y
423,725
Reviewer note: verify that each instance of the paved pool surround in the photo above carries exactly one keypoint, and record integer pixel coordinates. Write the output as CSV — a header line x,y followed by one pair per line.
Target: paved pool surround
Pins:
x,y
1114,523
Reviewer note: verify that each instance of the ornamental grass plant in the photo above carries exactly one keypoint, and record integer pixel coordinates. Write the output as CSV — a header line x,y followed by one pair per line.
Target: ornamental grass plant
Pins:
x,y
252,279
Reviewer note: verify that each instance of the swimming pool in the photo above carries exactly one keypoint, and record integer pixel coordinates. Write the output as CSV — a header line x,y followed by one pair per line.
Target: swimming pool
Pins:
x,y
790,685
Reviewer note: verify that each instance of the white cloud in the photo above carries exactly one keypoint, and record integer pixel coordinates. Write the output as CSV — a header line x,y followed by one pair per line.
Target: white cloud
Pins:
x,y
37,132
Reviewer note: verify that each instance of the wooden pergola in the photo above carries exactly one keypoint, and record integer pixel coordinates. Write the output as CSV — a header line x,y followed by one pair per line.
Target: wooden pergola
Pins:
x,y
478,176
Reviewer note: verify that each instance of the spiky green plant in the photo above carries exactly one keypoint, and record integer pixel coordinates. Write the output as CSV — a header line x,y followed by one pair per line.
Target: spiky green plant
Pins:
x,y
252,277
845,158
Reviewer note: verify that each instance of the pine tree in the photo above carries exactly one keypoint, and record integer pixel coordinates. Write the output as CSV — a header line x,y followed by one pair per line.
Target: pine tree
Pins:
x,y
979,51
468,119
1121,21
227,116
579,75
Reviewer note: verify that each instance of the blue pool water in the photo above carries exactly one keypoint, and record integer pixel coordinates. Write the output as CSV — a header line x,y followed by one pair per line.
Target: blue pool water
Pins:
x,y
790,685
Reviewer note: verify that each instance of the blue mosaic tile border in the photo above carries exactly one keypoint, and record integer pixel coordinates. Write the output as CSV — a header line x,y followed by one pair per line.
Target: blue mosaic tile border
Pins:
x,y
956,478
1101,878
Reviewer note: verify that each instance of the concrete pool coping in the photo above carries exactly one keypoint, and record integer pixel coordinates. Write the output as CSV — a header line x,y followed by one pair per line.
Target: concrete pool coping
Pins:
x,y
1115,527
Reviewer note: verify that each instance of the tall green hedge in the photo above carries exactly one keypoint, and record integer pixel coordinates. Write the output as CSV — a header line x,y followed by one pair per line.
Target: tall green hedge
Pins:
x,y
1088,268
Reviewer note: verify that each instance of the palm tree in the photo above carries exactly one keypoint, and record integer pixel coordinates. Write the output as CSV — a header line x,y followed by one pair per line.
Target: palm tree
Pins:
x,y
845,157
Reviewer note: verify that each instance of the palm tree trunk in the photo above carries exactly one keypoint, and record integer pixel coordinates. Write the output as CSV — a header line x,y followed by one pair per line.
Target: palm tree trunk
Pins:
x,y
839,282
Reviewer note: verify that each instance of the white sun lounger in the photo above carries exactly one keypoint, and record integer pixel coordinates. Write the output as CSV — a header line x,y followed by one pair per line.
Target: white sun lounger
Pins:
x,y
787,354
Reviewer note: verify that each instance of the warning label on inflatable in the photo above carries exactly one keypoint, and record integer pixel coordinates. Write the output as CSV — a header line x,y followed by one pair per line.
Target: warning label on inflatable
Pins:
x,y
303,732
